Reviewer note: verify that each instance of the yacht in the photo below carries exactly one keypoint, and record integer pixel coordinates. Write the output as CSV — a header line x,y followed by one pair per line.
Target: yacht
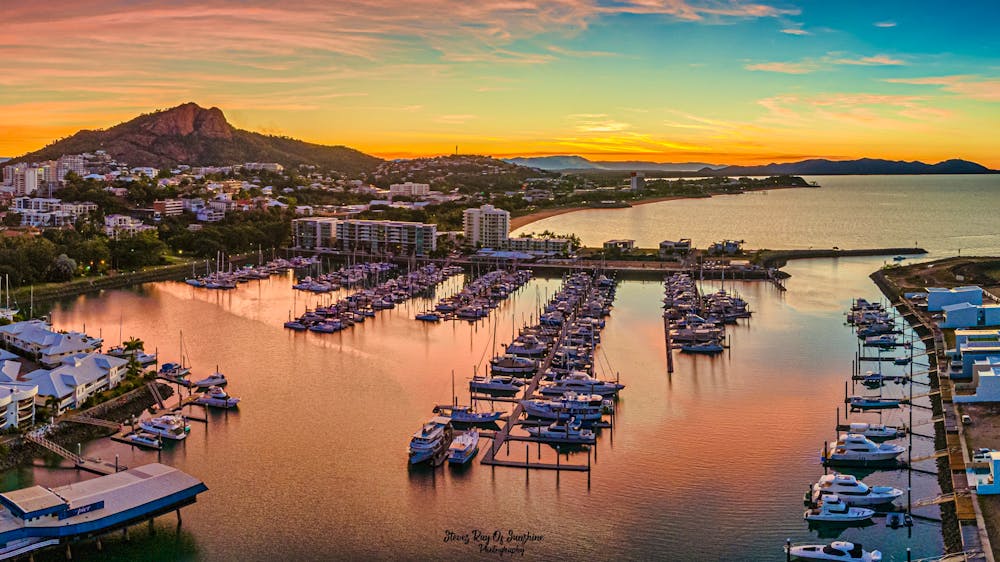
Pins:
x,y
568,407
217,398
882,340
841,551
497,385
852,448
429,316
143,438
464,447
295,325
852,491
510,364
169,426
834,510
565,432
579,381
215,379
527,346
704,347
465,416
431,442
175,373
875,430
872,402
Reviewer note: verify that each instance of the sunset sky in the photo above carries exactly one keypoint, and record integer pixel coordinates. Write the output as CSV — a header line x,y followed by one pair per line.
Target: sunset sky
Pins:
x,y
719,81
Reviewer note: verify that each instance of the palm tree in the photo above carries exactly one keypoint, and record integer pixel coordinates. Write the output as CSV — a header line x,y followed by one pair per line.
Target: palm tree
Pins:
x,y
52,404
133,369
134,344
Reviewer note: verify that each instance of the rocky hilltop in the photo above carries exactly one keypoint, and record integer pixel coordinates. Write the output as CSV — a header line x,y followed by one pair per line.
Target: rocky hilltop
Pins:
x,y
191,134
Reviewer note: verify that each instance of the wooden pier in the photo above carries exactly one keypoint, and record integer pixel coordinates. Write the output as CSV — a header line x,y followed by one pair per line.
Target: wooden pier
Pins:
x,y
97,466
513,419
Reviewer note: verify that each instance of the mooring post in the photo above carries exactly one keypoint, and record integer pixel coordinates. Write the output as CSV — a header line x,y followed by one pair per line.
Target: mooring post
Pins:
x,y
69,552
788,549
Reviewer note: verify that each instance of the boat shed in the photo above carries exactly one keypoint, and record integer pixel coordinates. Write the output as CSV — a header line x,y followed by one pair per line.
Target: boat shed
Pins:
x,y
938,298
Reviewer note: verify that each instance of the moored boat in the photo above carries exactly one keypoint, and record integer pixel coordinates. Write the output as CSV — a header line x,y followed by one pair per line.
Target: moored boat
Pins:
x,y
832,509
840,551
464,447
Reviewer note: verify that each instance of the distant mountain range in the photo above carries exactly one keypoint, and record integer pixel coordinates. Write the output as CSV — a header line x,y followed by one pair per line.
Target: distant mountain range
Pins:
x,y
191,134
863,166
557,163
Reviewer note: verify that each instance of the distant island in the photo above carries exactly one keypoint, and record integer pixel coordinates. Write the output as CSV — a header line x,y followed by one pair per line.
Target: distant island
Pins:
x,y
817,167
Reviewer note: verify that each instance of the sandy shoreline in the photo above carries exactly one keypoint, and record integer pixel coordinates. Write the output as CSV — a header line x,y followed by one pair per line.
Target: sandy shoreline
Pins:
x,y
518,222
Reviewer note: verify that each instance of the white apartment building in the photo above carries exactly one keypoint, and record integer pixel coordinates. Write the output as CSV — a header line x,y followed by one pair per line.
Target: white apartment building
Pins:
x,y
409,189
119,226
50,212
487,226
169,207
319,233
77,378
36,338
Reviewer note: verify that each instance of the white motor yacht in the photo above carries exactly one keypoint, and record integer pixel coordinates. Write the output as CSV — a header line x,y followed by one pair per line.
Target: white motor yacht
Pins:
x,y
169,426
579,381
563,432
431,442
833,510
498,385
217,398
464,447
852,448
875,431
852,491
841,551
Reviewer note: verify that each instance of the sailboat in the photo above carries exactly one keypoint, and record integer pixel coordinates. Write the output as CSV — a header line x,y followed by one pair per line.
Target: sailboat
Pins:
x,y
7,312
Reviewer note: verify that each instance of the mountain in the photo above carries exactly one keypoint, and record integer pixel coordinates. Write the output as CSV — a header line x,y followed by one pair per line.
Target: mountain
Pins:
x,y
556,163
864,166
191,134
553,163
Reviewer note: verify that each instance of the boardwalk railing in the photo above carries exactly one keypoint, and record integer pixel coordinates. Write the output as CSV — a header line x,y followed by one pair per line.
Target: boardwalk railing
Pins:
x,y
55,448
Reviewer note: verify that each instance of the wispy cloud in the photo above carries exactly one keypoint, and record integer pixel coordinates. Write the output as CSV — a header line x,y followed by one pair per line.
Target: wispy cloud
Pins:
x,y
876,60
829,61
801,67
597,123
969,86
885,24
860,109
795,31
454,118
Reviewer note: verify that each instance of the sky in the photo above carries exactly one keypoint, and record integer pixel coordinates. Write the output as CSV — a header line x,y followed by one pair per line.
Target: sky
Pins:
x,y
716,81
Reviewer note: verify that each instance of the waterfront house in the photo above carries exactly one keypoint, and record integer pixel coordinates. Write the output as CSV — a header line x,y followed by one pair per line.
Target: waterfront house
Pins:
x,y
671,247
623,246
77,379
35,338
938,298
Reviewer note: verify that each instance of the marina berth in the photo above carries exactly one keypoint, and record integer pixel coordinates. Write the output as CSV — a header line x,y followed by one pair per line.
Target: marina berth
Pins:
x,y
840,551
464,447
874,430
496,385
832,509
216,397
851,491
872,402
509,363
578,381
169,426
858,449
37,517
464,415
215,379
568,432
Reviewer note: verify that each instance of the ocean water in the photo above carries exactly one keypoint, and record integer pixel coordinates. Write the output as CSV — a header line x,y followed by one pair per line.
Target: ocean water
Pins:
x,y
945,215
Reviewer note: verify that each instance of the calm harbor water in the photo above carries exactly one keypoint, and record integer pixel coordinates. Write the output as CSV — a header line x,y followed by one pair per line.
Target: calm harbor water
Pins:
x,y
943,214
710,463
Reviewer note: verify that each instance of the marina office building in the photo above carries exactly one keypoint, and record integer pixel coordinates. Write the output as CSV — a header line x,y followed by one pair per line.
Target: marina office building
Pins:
x,y
327,233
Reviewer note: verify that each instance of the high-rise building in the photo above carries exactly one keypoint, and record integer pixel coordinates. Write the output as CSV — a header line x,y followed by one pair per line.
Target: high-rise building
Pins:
x,y
637,181
486,226
70,163
320,233
27,179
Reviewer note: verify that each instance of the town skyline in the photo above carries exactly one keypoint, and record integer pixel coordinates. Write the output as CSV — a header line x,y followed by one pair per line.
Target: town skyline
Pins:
x,y
720,82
